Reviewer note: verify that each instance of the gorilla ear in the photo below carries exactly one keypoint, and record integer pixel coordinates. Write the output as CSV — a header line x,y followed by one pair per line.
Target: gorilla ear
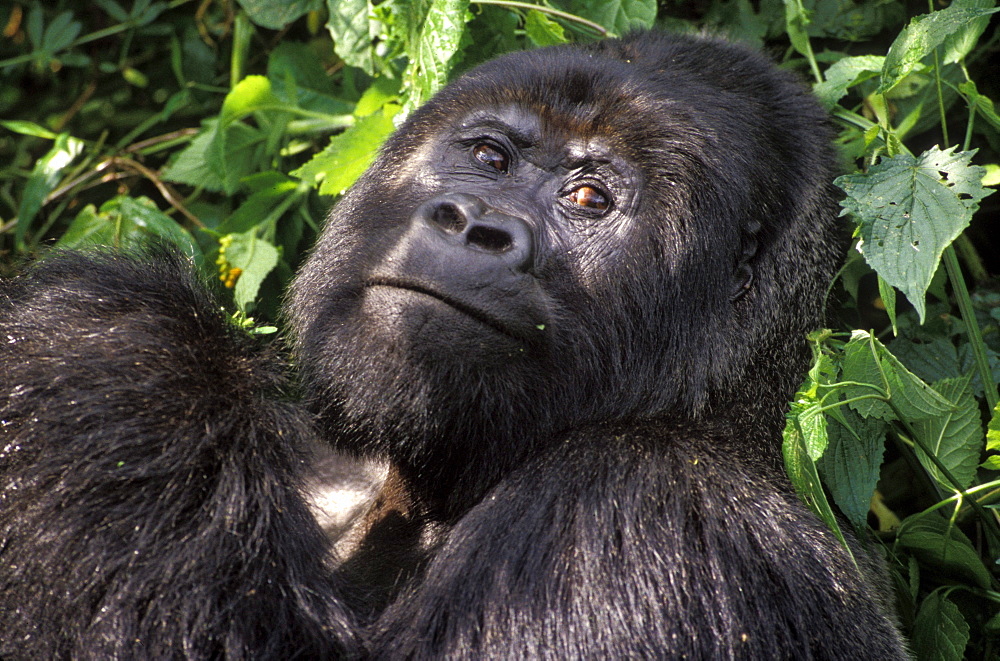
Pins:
x,y
744,271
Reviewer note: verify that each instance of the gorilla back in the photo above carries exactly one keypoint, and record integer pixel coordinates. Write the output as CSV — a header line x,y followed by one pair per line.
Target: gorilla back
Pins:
x,y
568,303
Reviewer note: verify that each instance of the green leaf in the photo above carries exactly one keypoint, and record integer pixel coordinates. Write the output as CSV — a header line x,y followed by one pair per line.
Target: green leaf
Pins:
x,y
908,210
803,474
993,440
249,95
955,438
28,128
260,203
618,16
255,258
349,153
938,543
234,152
844,74
961,43
61,32
888,296
921,37
127,223
850,466
932,359
353,27
860,364
911,398
983,104
542,30
43,180
433,52
276,15
812,426
797,19
192,165
940,633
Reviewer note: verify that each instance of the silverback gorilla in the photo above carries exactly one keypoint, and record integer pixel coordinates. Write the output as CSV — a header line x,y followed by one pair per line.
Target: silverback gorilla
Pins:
x,y
567,304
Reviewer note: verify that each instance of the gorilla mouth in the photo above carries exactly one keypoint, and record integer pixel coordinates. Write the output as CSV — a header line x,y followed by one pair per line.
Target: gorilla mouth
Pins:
x,y
460,306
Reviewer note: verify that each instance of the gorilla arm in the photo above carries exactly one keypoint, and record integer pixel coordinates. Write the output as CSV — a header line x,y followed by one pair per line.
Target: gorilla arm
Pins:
x,y
149,475
639,542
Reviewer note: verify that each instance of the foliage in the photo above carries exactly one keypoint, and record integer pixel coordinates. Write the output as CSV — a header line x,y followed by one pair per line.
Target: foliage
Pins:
x,y
226,127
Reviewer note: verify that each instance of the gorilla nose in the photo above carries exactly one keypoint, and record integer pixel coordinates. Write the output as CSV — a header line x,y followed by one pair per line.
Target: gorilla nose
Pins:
x,y
465,227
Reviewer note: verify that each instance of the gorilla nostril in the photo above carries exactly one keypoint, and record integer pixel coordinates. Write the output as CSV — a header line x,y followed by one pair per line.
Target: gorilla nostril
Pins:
x,y
449,217
490,239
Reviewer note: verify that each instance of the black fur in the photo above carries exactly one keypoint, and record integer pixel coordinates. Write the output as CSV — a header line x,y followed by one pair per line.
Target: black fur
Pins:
x,y
148,476
582,405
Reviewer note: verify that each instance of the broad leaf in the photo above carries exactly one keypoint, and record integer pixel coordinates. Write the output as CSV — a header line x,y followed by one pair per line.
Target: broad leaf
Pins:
x,y
939,543
844,74
850,465
940,632
955,438
349,153
921,37
909,209
276,15
254,258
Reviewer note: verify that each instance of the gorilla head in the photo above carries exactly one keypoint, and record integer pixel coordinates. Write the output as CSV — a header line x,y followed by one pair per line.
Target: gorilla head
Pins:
x,y
636,230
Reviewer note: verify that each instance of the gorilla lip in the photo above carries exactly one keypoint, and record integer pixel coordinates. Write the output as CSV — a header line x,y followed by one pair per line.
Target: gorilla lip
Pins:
x,y
460,306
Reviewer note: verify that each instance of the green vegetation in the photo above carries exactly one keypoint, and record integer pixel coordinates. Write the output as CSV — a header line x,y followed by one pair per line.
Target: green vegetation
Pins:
x,y
226,128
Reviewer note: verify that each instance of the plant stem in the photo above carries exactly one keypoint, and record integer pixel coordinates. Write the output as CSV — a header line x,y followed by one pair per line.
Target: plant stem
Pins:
x,y
972,326
600,29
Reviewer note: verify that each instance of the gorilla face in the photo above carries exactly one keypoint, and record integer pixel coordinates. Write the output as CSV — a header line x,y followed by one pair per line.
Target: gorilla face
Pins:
x,y
564,237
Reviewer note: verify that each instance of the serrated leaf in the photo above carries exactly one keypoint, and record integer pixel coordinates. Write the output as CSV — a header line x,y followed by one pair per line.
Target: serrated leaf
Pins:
x,y
349,153
860,365
255,258
909,396
844,74
276,15
256,209
850,466
352,26
955,438
938,543
931,360
812,426
940,633
908,210
232,153
921,37
432,53
802,472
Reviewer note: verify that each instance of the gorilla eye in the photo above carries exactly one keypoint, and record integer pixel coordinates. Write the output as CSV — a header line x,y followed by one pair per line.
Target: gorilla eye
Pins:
x,y
589,197
491,156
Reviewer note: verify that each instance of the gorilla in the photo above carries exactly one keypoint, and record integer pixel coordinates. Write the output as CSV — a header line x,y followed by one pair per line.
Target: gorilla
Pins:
x,y
566,305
